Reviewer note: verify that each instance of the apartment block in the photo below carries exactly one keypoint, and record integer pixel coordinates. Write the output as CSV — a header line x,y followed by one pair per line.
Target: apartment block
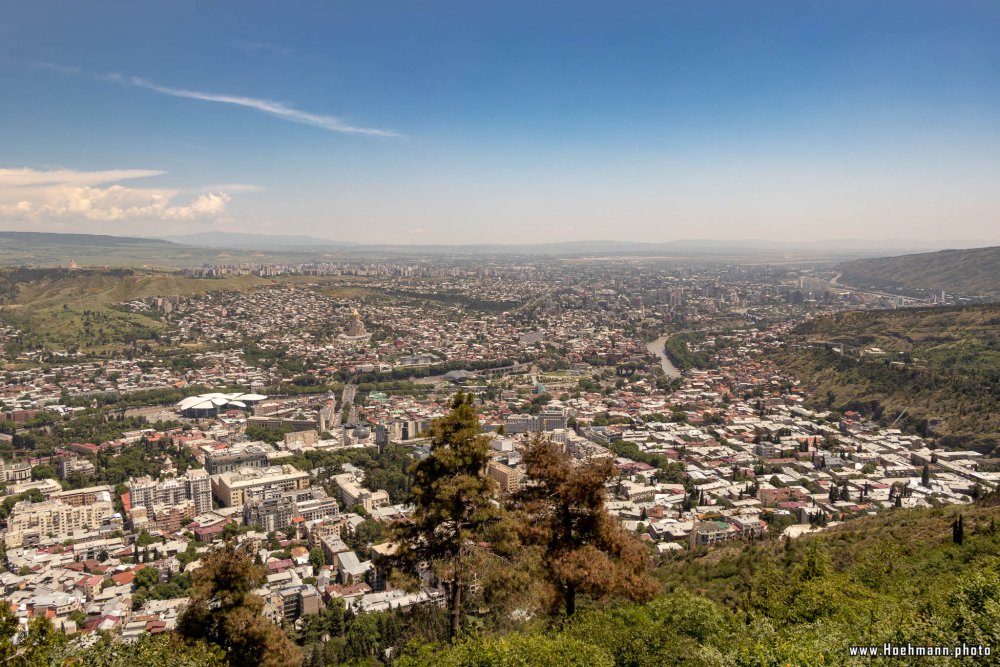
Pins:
x,y
194,485
229,459
352,493
235,489
32,523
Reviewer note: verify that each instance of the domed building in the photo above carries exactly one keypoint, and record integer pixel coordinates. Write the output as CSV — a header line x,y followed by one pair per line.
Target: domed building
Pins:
x,y
356,328
210,405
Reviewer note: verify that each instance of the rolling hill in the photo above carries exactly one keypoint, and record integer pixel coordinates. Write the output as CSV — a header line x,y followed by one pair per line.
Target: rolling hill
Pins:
x,y
257,241
215,247
898,578
93,250
940,365
50,249
966,272
64,308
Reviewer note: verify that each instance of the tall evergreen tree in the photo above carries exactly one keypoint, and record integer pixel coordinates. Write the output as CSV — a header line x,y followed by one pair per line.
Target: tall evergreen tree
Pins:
x,y
454,503
586,551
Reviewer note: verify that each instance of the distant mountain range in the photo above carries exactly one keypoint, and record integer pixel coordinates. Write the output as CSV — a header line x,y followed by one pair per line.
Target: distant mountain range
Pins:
x,y
242,241
854,248
974,271
47,249
36,239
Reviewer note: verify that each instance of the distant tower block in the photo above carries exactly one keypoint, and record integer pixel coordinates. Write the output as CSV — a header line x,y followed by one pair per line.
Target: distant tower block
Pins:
x,y
327,416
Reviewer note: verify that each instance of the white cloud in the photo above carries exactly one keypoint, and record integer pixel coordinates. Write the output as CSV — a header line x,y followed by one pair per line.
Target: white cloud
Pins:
x,y
11,178
65,194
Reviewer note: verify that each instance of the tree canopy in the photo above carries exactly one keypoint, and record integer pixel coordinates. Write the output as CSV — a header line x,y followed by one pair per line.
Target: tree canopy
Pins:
x,y
585,550
224,611
454,502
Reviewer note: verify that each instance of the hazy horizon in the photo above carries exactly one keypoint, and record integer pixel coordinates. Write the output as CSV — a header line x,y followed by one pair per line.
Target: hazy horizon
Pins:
x,y
450,123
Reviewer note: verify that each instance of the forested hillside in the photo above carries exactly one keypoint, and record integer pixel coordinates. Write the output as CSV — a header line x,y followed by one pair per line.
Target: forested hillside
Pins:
x,y
906,577
939,365
968,272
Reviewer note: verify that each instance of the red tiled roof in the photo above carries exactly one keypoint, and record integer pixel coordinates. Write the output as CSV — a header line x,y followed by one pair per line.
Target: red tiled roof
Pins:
x,y
280,565
123,578
156,627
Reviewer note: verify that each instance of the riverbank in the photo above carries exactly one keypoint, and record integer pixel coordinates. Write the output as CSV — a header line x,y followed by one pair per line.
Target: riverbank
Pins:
x,y
656,348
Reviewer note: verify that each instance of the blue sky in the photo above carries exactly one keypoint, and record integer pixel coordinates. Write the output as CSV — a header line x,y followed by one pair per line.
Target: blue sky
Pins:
x,y
438,122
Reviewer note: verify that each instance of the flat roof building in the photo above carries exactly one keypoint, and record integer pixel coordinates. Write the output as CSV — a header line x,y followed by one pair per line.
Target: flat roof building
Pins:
x,y
235,489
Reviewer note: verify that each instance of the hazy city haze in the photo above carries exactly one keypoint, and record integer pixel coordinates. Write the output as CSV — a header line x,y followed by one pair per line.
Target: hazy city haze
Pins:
x,y
450,122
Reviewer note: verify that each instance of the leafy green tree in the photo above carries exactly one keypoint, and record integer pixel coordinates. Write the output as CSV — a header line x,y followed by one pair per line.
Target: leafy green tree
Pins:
x,y
973,614
165,650
8,630
363,637
225,612
317,558
144,539
147,577
511,651
41,644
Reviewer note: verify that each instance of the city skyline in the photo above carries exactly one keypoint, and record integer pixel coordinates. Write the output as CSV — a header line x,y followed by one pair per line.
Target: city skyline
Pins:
x,y
448,123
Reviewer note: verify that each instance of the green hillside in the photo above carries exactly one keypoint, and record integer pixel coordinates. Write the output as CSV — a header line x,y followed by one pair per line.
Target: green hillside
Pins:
x,y
896,578
62,308
966,272
92,250
941,365
58,308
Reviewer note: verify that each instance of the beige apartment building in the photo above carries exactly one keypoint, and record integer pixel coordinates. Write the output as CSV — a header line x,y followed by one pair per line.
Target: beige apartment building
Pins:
x,y
14,471
194,485
352,493
508,479
87,496
234,489
31,523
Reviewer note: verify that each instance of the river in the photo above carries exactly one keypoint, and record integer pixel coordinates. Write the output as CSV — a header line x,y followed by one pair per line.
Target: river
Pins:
x,y
656,348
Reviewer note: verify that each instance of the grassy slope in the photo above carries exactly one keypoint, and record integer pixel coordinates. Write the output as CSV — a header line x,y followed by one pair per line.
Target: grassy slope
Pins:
x,y
975,271
953,374
55,306
19,249
898,577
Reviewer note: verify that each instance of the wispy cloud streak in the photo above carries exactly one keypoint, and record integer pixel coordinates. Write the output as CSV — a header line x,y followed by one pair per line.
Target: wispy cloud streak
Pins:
x,y
270,107
279,109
